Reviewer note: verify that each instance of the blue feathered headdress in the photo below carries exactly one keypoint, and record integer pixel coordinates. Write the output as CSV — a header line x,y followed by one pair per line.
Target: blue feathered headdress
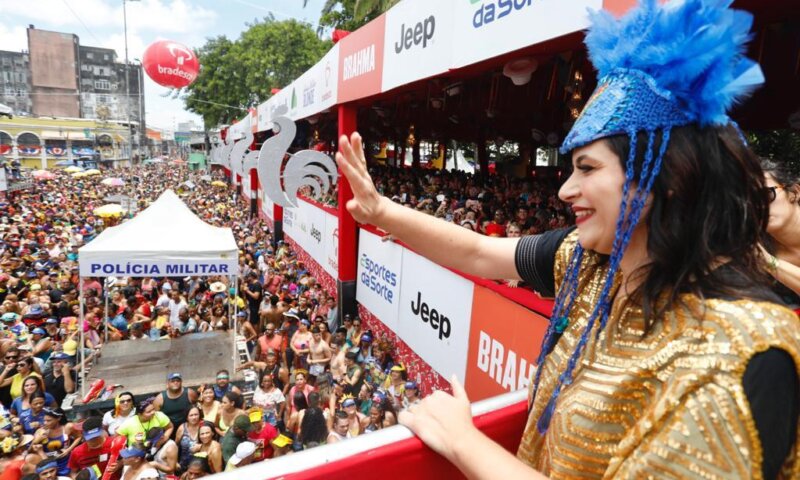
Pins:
x,y
660,67
665,66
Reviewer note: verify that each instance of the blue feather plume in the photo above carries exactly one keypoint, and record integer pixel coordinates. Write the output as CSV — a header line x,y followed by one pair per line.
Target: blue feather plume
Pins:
x,y
694,49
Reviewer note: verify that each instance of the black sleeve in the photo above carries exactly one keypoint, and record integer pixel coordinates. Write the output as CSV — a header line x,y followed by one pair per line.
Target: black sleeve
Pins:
x,y
535,259
771,385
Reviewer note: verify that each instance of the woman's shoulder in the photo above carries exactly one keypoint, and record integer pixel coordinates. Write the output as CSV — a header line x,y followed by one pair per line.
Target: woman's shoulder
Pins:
x,y
747,324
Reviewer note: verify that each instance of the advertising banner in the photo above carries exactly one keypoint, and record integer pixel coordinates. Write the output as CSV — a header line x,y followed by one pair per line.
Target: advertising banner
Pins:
x,y
267,205
487,28
435,313
378,285
417,41
330,261
504,343
361,61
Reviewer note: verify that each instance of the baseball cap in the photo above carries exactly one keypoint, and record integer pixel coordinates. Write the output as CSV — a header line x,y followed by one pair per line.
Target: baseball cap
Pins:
x,y
244,450
52,321
398,368
305,322
132,452
92,433
174,375
71,347
59,356
38,331
366,337
242,422
412,385
9,317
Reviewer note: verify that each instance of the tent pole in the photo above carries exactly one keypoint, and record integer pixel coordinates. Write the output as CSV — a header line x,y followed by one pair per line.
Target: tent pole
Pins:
x,y
80,347
235,317
105,314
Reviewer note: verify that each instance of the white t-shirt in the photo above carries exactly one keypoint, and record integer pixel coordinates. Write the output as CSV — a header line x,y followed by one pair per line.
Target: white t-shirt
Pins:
x,y
111,423
268,401
147,473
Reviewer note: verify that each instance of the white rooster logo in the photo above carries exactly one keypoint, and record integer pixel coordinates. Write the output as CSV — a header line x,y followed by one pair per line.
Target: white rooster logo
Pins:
x,y
306,168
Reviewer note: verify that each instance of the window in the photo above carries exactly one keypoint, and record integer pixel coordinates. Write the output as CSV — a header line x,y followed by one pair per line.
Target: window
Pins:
x,y
105,57
114,86
90,55
102,85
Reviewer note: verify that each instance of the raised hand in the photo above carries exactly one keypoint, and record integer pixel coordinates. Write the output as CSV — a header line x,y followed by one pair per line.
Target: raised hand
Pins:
x,y
367,205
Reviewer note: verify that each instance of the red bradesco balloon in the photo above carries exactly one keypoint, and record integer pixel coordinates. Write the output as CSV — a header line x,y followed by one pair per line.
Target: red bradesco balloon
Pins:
x,y
170,64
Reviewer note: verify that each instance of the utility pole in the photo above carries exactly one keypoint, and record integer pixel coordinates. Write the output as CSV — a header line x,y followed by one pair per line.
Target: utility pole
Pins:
x,y
127,82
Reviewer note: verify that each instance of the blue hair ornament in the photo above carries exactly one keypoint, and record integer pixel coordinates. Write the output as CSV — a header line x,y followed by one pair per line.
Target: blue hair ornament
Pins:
x,y
659,67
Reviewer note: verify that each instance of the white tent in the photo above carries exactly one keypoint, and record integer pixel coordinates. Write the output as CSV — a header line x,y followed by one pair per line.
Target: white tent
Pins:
x,y
165,240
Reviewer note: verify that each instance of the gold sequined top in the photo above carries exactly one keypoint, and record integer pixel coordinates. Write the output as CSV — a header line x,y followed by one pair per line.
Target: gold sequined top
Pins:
x,y
669,405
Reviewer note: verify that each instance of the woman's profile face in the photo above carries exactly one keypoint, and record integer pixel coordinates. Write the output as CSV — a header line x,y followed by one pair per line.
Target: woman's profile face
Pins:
x,y
783,212
594,191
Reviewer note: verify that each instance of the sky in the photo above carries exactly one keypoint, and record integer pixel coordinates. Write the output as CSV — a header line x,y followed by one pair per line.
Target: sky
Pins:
x,y
99,23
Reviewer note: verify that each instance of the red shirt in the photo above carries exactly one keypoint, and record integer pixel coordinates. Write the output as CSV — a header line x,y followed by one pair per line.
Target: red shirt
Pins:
x,y
268,433
84,457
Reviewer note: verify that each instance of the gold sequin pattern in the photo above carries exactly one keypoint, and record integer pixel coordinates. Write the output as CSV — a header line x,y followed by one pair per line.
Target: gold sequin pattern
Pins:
x,y
667,405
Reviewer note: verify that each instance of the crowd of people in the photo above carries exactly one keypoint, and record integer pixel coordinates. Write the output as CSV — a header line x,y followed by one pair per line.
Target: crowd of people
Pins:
x,y
319,381
494,205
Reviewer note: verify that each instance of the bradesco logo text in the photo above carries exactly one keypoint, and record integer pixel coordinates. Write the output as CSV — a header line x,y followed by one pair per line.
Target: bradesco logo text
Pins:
x,y
378,278
414,35
492,10
438,321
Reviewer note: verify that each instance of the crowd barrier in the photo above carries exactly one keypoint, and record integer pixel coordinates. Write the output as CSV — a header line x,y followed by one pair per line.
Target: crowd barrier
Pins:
x,y
392,452
441,322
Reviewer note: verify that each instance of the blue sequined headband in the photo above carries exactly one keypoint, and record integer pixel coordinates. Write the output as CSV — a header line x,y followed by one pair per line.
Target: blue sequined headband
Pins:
x,y
660,67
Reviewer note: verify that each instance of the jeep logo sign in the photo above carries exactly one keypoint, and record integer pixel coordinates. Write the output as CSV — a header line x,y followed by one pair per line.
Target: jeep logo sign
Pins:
x,y
413,36
438,322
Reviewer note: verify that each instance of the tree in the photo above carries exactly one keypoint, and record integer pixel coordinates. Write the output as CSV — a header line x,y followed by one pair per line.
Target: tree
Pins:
x,y
350,15
241,74
780,145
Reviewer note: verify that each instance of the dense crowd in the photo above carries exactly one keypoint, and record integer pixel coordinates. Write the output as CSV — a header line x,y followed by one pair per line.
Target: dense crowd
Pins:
x,y
495,205
318,381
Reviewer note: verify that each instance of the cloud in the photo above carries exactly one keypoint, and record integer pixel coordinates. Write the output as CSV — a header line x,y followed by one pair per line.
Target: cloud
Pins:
x,y
15,38
163,16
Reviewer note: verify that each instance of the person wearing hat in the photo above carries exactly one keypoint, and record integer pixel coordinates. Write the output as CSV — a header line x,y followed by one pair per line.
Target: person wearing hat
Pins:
x,y
670,208
176,401
299,344
245,455
262,434
135,464
42,344
95,450
47,469
60,381
164,451
364,348
235,435
411,395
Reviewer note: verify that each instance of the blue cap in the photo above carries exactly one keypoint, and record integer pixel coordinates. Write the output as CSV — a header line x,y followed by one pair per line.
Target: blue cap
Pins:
x,y
132,452
9,317
412,385
366,337
38,331
53,321
349,403
305,322
59,356
93,433
174,375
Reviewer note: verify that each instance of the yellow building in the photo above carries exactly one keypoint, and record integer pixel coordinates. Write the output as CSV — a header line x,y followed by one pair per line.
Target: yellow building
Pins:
x,y
43,142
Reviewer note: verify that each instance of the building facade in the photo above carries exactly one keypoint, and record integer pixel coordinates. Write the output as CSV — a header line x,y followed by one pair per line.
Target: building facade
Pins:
x,y
15,81
60,78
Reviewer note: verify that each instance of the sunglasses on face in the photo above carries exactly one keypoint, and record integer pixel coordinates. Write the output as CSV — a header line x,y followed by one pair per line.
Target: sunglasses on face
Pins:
x,y
772,192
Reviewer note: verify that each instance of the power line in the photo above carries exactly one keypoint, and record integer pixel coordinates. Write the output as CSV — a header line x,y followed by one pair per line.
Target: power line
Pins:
x,y
79,19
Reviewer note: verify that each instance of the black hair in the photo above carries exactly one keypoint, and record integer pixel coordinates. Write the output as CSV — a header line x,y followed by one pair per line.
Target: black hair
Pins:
x,y
708,205
783,176
92,422
235,399
313,429
299,401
